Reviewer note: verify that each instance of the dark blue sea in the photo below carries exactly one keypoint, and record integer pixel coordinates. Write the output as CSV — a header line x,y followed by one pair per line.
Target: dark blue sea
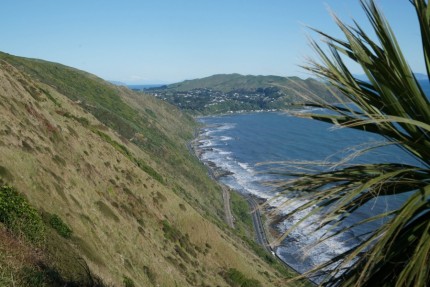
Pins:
x,y
240,142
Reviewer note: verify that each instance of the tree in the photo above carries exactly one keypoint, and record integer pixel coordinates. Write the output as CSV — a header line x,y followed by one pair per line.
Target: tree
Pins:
x,y
392,104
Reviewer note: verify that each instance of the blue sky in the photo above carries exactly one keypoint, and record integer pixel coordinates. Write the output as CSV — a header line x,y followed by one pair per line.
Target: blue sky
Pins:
x,y
164,41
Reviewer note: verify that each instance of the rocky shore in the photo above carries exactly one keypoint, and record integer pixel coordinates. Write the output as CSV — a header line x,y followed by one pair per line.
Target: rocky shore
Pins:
x,y
217,172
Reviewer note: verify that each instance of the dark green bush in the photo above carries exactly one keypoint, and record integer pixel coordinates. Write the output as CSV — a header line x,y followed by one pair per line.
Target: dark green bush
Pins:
x,y
58,224
128,282
19,217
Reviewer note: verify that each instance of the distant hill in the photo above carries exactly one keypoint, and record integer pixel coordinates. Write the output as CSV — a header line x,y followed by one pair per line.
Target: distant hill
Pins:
x,y
234,92
232,82
98,188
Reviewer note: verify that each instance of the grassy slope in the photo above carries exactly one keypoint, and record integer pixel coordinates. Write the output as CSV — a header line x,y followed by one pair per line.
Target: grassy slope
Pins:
x,y
119,176
159,129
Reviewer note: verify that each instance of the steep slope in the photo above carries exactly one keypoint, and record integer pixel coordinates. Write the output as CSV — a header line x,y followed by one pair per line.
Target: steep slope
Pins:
x,y
158,129
234,92
120,197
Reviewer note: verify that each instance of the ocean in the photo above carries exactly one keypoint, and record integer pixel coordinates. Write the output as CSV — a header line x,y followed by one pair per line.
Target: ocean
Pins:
x,y
239,143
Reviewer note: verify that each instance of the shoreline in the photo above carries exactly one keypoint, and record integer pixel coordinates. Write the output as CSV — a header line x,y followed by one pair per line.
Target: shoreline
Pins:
x,y
228,113
287,109
259,211
215,172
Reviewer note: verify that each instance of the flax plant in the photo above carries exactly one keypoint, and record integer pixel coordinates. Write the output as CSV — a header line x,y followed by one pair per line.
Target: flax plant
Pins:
x,y
392,104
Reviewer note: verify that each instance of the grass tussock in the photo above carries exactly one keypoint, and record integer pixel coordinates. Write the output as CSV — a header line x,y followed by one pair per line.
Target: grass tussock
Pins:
x,y
107,211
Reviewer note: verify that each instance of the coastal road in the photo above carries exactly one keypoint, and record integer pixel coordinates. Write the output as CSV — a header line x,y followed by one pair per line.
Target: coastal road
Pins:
x,y
260,233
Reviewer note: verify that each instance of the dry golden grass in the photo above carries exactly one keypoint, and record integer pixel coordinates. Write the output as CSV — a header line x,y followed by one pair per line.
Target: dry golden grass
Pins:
x,y
115,209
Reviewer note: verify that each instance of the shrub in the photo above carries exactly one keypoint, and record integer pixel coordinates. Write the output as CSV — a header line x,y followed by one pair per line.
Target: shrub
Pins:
x,y
58,224
128,282
19,217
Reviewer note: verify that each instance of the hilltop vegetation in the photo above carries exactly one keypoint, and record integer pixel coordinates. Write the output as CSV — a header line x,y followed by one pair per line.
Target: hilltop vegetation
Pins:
x,y
235,92
108,193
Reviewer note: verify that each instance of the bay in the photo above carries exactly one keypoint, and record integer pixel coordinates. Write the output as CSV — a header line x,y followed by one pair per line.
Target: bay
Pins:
x,y
238,143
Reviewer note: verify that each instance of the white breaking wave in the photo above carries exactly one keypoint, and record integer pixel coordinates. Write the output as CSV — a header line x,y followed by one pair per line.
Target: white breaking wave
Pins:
x,y
206,143
225,138
225,126
285,137
246,167
300,246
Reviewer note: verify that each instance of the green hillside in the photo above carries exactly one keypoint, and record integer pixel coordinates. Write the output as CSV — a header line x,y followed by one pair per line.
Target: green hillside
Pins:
x,y
235,92
97,188
232,82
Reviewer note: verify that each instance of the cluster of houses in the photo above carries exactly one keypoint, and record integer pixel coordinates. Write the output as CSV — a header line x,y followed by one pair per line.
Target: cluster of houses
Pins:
x,y
201,99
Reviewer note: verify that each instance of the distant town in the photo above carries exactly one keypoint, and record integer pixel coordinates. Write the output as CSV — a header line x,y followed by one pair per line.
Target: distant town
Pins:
x,y
208,101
